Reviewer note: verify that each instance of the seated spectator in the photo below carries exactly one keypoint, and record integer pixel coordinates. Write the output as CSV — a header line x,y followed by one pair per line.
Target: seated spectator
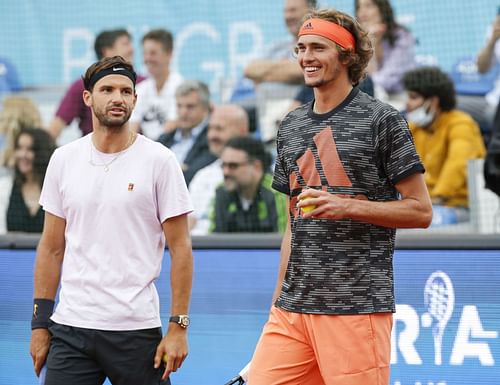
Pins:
x,y
276,75
393,45
9,79
482,108
226,122
445,139
491,168
33,148
107,44
277,63
246,202
188,140
17,113
155,111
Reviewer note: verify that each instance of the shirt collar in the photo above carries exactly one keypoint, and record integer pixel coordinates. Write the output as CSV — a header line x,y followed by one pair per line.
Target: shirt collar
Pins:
x,y
193,133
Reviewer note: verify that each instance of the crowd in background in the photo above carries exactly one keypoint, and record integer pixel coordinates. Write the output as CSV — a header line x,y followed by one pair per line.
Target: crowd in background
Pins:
x,y
226,151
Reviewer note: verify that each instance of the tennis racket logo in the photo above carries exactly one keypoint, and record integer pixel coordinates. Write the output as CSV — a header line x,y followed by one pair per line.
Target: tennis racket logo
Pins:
x,y
439,298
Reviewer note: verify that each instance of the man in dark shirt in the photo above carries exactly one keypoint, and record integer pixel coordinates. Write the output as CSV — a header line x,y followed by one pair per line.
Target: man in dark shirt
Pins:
x,y
246,202
188,140
349,166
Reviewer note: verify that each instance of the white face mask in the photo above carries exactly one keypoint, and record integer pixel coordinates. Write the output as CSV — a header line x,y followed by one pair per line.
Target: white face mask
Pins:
x,y
421,116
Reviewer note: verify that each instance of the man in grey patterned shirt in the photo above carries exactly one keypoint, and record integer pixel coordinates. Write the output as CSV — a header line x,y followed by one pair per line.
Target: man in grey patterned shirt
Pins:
x,y
348,164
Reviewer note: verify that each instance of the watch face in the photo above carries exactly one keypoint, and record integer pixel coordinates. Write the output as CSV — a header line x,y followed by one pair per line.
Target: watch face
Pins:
x,y
181,320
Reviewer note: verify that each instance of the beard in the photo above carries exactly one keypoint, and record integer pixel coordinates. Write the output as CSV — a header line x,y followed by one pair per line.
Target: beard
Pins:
x,y
329,78
230,184
110,121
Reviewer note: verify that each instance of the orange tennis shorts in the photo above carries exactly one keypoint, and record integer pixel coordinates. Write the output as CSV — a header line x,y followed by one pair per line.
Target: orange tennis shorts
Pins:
x,y
316,349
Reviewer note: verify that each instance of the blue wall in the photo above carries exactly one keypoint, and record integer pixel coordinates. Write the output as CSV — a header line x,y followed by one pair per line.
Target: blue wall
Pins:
x,y
231,297
51,41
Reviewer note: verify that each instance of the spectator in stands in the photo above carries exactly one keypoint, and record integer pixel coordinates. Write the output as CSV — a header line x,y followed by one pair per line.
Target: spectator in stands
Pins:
x,y
275,74
246,202
188,140
278,64
491,167
9,79
226,122
22,212
107,44
445,139
393,45
483,108
17,113
155,111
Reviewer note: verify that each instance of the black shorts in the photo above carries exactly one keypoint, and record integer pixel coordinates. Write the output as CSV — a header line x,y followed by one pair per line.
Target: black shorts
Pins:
x,y
80,356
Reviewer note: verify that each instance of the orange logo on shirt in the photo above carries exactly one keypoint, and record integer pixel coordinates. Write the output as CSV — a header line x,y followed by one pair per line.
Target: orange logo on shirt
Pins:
x,y
329,160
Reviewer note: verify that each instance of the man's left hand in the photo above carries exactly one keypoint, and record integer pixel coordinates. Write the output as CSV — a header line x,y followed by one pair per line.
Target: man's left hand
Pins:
x,y
173,350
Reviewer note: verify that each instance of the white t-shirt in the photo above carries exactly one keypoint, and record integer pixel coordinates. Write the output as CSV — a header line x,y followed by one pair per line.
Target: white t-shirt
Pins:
x,y
114,236
202,189
154,108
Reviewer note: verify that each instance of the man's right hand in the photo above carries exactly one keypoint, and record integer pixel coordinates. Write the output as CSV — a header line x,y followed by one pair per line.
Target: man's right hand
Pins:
x,y
39,347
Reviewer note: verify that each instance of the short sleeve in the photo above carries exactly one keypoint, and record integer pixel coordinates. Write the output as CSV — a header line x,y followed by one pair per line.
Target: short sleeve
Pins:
x,y
281,173
138,111
50,197
171,191
396,147
72,103
398,60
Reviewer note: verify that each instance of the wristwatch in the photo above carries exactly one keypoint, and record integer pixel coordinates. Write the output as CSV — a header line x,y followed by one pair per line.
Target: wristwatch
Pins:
x,y
182,320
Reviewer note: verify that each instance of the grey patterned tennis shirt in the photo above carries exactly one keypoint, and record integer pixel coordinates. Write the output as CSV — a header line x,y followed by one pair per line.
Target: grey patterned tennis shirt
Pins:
x,y
359,150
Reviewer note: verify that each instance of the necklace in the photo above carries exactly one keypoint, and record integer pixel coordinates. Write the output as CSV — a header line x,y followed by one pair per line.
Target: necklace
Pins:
x,y
103,163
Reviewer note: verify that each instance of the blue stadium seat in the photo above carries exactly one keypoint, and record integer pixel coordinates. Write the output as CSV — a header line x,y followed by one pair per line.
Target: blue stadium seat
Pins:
x,y
468,80
9,80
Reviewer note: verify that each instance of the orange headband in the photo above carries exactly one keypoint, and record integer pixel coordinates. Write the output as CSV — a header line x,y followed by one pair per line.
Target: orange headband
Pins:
x,y
329,30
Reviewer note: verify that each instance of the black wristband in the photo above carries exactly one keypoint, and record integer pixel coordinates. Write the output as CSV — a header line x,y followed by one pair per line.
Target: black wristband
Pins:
x,y
42,310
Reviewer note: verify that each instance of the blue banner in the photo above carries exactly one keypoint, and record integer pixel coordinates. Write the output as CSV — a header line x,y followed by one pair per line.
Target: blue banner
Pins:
x,y
446,329
51,42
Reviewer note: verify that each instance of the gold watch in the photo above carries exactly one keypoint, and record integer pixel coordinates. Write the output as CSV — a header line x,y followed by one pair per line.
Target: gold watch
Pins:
x,y
182,320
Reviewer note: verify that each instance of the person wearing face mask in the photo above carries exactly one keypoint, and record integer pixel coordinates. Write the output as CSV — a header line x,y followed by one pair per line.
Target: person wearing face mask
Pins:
x,y
445,139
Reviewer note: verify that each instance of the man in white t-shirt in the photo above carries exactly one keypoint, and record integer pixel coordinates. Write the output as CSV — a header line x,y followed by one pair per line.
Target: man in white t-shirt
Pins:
x,y
226,121
155,111
111,199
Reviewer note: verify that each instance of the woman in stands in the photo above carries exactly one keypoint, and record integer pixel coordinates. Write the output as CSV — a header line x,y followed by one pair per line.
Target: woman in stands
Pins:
x,y
17,112
394,46
32,151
